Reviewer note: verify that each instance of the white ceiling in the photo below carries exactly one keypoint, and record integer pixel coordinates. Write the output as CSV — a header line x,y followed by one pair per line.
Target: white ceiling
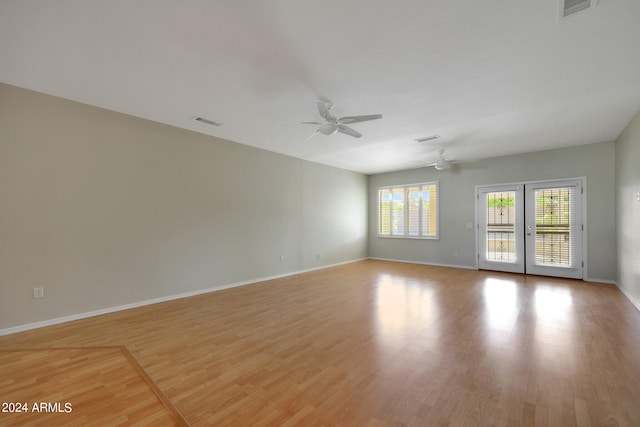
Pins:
x,y
492,77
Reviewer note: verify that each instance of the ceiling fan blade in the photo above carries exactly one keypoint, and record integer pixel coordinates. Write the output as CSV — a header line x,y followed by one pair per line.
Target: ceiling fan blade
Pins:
x,y
324,111
312,123
327,102
422,165
317,131
348,131
355,119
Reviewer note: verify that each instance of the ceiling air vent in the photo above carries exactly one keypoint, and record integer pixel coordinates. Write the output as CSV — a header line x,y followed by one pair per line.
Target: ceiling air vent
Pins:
x,y
569,7
428,138
207,121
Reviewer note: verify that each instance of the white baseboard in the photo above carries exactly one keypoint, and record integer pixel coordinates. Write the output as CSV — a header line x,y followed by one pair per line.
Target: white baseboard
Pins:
x,y
617,285
629,297
466,267
606,281
64,319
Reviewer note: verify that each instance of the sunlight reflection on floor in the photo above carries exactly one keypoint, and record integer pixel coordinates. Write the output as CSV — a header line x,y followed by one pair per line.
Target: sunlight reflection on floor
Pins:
x,y
553,310
501,303
404,308
553,303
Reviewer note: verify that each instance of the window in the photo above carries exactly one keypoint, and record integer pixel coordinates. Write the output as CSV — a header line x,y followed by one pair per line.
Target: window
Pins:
x,y
408,211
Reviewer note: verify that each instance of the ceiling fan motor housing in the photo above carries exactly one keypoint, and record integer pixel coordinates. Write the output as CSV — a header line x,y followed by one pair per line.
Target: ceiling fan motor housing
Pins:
x,y
328,128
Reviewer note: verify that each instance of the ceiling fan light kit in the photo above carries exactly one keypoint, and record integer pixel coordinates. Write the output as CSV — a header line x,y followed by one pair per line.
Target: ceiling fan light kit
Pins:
x,y
442,163
333,125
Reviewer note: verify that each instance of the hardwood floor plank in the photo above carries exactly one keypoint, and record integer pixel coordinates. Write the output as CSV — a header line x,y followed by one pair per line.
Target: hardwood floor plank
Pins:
x,y
101,386
368,343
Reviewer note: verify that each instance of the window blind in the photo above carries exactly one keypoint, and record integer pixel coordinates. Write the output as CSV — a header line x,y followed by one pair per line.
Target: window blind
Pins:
x,y
555,228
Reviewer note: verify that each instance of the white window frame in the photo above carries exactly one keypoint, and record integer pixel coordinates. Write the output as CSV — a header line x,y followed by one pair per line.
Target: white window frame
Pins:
x,y
405,235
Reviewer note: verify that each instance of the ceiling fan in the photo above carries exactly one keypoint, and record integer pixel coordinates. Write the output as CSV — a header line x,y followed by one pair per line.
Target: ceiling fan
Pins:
x,y
331,124
442,163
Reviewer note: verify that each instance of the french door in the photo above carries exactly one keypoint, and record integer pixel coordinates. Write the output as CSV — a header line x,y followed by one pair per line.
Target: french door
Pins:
x,y
501,228
533,228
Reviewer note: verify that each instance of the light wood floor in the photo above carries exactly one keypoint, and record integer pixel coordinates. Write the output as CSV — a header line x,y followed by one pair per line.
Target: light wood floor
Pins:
x,y
379,343
86,386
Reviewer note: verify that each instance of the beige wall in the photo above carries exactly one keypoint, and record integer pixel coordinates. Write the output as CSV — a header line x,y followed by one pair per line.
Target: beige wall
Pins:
x,y
457,246
628,209
104,209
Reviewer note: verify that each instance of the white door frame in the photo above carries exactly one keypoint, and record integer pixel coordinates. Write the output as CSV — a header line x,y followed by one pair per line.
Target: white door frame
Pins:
x,y
497,187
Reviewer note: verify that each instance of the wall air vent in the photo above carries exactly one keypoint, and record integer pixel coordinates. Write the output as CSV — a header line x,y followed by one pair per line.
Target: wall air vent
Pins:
x,y
428,138
569,7
207,121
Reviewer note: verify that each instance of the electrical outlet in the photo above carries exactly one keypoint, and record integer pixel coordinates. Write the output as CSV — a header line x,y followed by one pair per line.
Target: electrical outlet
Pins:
x,y
38,292
281,258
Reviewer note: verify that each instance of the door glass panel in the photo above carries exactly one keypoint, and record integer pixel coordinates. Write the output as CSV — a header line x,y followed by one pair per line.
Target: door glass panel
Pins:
x,y
553,226
501,227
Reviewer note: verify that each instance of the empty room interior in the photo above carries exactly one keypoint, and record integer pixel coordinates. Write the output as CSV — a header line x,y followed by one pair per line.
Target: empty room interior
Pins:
x,y
357,213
